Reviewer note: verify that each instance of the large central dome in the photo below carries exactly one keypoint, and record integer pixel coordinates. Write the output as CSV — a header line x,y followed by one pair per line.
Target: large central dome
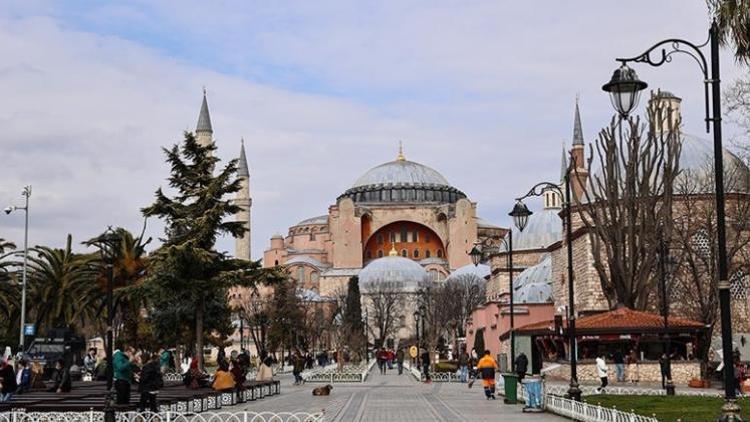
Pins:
x,y
403,172
402,181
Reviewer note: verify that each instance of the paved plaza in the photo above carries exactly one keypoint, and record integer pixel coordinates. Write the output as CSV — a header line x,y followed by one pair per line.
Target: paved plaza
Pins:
x,y
394,398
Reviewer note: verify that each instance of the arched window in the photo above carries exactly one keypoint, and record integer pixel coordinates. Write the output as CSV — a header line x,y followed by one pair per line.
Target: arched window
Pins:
x,y
380,254
314,278
415,236
427,253
301,275
427,238
404,253
416,253
440,253
404,234
276,262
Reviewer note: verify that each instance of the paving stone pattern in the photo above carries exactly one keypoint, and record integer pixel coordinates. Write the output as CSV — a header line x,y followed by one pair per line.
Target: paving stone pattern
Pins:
x,y
392,397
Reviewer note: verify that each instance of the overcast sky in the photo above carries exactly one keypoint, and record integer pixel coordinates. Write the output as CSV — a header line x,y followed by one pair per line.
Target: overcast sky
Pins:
x,y
321,91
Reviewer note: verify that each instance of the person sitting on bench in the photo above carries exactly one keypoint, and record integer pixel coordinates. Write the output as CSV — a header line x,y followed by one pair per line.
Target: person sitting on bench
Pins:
x,y
151,382
61,378
195,378
223,379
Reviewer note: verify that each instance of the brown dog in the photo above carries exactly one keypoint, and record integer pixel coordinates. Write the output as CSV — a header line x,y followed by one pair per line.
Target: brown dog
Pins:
x,y
323,391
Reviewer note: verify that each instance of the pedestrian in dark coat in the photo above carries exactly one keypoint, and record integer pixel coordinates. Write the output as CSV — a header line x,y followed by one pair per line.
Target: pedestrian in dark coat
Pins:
x,y
8,383
62,383
522,365
151,383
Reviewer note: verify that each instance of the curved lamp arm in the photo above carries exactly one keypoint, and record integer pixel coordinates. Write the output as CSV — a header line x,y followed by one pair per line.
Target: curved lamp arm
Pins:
x,y
539,188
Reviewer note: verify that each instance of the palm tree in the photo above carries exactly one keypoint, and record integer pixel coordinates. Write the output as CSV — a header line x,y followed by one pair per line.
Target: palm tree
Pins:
x,y
62,284
129,270
733,18
9,291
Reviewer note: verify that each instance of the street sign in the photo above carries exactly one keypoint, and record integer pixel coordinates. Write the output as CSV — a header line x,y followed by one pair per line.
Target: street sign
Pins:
x,y
29,330
413,352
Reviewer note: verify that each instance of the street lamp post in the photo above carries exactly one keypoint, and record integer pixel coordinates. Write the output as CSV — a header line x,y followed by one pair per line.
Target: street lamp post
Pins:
x,y
478,255
520,214
663,263
108,243
26,193
624,88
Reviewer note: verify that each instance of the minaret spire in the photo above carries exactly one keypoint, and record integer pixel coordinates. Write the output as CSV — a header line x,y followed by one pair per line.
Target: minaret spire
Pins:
x,y
203,130
563,164
577,129
242,248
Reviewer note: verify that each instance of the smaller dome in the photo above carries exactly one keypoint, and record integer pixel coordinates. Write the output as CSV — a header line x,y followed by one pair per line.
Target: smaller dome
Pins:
x,y
470,273
543,229
534,285
321,219
393,272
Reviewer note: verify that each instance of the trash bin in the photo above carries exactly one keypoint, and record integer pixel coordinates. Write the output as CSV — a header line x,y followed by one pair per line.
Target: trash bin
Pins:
x,y
533,388
511,388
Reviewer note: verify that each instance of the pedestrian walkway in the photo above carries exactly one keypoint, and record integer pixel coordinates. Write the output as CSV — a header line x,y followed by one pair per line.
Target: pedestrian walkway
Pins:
x,y
394,397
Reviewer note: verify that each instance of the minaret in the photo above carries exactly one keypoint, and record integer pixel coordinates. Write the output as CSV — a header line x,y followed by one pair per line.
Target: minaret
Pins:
x,y
204,133
552,198
243,199
579,173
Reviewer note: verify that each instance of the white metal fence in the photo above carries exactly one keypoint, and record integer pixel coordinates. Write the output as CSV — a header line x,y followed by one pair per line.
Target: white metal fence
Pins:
x,y
92,416
331,373
579,411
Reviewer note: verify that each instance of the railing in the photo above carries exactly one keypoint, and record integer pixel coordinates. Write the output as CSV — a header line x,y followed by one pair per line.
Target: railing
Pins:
x,y
92,416
561,390
579,411
331,373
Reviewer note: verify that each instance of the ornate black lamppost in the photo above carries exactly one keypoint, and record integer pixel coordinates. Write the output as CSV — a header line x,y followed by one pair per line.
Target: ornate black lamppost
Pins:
x,y
624,89
479,254
665,266
520,214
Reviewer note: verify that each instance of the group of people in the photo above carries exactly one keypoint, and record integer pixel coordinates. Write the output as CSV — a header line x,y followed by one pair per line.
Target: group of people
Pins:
x,y
26,376
386,357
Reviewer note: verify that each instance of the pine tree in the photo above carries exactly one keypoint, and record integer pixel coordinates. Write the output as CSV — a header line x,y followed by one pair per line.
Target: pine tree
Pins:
x,y
353,325
286,320
187,266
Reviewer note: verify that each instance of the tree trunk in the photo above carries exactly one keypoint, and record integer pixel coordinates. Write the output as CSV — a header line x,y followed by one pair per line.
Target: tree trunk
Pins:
x,y
199,332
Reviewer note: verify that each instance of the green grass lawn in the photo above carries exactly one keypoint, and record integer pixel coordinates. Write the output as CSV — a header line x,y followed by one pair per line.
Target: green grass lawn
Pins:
x,y
675,408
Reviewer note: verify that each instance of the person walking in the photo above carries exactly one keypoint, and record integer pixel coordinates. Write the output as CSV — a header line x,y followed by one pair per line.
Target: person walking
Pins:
x,y
298,365
89,362
487,367
123,372
426,366
8,383
400,360
150,383
463,365
381,356
633,367
522,365
619,361
601,370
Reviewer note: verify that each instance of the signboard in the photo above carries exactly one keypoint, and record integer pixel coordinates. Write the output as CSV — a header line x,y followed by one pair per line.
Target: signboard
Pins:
x,y
413,352
29,330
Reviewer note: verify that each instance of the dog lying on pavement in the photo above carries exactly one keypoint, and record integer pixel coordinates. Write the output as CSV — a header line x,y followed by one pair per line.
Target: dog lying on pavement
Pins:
x,y
323,391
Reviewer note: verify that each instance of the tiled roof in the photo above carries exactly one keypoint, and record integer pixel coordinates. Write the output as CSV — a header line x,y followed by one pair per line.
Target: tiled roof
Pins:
x,y
623,320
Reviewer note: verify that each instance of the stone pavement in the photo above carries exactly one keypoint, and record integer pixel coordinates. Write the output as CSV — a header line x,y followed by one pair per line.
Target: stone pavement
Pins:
x,y
392,397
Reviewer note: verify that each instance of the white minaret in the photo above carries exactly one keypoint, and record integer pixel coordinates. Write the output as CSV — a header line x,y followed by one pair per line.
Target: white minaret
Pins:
x,y
243,199
204,133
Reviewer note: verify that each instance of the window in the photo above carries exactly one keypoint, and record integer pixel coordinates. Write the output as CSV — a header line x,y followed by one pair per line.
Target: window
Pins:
x,y
368,254
404,234
415,236
380,239
427,253
301,275
440,253
380,254
314,277
276,262
404,253
416,253
392,237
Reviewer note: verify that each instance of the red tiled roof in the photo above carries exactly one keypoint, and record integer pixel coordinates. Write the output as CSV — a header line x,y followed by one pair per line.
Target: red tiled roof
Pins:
x,y
623,320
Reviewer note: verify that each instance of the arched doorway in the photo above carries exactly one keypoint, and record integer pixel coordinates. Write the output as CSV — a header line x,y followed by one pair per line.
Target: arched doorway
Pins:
x,y
410,240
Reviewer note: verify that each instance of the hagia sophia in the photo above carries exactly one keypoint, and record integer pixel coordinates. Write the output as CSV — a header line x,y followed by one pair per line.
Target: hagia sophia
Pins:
x,y
402,224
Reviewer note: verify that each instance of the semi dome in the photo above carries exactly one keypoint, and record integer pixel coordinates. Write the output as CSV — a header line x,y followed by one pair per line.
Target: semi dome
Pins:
x,y
393,273
471,273
696,168
402,180
534,284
